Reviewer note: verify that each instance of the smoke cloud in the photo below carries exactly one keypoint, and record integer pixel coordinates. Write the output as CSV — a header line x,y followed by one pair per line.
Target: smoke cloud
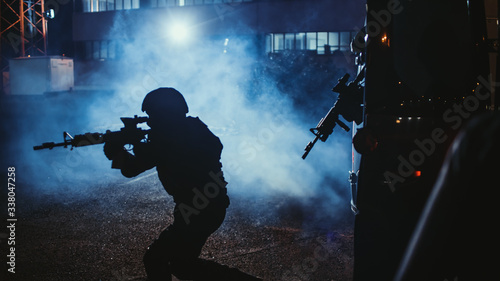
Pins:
x,y
262,128
263,135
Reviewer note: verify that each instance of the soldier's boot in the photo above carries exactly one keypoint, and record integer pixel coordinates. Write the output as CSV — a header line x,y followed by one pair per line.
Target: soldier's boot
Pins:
x,y
157,267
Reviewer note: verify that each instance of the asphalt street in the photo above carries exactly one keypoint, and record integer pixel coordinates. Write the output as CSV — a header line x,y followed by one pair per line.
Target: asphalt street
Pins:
x,y
101,232
77,219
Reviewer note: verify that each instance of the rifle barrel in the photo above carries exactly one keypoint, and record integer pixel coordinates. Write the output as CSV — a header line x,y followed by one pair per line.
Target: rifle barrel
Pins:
x,y
49,145
309,146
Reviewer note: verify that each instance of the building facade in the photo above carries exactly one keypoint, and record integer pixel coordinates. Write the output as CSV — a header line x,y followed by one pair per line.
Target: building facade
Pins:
x,y
317,27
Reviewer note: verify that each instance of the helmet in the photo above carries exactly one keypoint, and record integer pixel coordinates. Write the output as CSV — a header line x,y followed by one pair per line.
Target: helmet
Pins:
x,y
165,100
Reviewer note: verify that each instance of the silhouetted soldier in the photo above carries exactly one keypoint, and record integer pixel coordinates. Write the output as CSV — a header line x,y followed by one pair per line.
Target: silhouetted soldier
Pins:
x,y
187,158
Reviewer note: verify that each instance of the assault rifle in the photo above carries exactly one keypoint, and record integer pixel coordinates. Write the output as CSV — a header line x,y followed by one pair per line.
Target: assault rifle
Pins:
x,y
129,134
348,104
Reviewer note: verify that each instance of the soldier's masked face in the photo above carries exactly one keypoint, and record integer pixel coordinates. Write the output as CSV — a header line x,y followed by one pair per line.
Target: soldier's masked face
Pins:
x,y
165,120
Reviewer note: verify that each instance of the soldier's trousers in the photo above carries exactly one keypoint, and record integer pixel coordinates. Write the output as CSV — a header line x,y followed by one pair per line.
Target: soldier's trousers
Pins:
x,y
177,248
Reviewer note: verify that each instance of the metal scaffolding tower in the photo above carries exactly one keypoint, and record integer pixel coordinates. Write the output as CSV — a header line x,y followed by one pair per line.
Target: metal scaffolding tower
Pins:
x,y
24,27
23,32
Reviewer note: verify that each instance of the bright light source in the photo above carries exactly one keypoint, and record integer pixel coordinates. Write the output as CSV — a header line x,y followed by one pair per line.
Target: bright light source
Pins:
x,y
179,32
225,45
49,14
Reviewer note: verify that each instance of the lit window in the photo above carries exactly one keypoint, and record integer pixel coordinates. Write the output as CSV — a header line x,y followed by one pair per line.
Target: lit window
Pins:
x,y
311,40
87,4
95,6
269,43
322,41
345,41
333,41
300,40
289,40
110,5
102,5
278,42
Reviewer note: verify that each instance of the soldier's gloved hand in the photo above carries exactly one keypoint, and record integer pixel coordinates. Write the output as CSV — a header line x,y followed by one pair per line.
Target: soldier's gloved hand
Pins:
x,y
112,149
142,150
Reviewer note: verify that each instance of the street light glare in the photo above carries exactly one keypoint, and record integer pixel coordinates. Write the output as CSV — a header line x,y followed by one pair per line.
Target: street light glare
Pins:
x,y
179,32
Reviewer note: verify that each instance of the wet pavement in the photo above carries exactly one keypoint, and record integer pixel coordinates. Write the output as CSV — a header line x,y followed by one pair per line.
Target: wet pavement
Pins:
x,y
100,231
77,219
